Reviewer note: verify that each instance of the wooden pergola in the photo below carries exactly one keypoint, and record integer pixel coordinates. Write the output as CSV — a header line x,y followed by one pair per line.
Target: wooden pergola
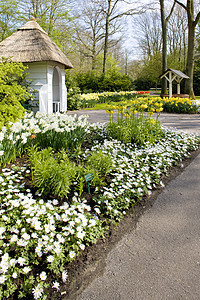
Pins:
x,y
172,75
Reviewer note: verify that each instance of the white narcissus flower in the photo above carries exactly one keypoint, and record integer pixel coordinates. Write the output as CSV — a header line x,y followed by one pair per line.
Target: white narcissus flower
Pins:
x,y
43,276
64,276
21,261
80,235
26,236
97,210
82,246
56,285
37,291
26,270
14,275
72,254
13,262
4,266
50,258
2,279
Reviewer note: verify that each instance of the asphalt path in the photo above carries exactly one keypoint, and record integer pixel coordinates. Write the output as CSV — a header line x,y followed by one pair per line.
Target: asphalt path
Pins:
x,y
187,122
160,259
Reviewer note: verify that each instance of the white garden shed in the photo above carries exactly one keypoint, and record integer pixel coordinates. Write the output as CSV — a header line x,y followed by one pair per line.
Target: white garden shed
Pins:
x,y
46,63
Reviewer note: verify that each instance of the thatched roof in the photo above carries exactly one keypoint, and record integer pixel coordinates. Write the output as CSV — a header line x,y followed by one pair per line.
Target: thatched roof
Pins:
x,y
30,43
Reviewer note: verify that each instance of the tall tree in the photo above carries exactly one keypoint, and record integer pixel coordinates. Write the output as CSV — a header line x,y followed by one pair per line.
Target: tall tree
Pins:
x,y
52,15
192,22
89,24
164,21
149,34
113,14
177,38
8,18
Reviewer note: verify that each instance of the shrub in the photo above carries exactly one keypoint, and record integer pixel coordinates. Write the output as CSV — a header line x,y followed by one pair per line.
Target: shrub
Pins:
x,y
12,92
196,77
52,172
101,162
143,84
98,82
73,99
135,130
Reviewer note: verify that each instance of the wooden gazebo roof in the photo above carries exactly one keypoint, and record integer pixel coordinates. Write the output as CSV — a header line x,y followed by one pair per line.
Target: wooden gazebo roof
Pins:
x,y
175,72
171,75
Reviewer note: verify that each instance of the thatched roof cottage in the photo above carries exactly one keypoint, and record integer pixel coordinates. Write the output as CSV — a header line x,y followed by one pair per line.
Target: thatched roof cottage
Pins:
x,y
46,63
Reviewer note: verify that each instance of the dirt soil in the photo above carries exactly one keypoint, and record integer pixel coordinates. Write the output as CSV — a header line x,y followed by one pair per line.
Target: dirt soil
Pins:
x,y
91,263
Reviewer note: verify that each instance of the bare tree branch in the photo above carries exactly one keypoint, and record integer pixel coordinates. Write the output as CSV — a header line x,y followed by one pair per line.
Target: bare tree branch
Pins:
x,y
181,4
169,16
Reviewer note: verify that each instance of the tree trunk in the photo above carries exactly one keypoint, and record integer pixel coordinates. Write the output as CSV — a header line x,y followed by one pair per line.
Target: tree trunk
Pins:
x,y
190,60
189,7
94,55
105,46
106,37
164,47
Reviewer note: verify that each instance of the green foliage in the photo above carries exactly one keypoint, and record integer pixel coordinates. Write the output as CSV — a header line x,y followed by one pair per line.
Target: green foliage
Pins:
x,y
136,130
8,16
101,162
12,93
181,107
144,84
92,81
196,77
52,172
61,139
150,72
84,169
94,233
73,99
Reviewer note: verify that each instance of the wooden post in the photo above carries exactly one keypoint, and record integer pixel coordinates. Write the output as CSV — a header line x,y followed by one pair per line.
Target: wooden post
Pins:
x,y
178,88
170,84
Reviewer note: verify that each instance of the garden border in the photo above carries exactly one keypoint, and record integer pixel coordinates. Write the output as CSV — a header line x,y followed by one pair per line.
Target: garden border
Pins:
x,y
91,263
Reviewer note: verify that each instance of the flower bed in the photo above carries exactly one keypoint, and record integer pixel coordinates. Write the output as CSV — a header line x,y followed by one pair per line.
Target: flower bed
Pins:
x,y
40,231
156,105
89,100
174,104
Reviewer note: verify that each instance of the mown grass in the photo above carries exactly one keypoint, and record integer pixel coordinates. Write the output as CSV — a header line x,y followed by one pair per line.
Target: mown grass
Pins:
x,y
104,106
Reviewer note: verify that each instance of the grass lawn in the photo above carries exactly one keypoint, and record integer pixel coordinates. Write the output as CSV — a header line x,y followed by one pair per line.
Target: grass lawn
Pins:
x,y
104,106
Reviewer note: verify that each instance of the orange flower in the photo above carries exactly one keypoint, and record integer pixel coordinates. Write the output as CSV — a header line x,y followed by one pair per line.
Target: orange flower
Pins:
x,y
33,136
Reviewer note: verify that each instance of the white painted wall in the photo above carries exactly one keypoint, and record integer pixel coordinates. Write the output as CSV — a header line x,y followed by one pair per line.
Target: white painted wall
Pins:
x,y
63,107
37,73
41,75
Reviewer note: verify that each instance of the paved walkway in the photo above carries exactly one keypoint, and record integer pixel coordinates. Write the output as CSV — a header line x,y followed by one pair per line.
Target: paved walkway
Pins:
x,y
189,123
160,259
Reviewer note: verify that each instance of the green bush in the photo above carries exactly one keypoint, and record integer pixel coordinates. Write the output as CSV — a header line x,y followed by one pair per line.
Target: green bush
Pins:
x,y
73,99
143,84
12,91
196,78
136,130
101,162
92,81
52,173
